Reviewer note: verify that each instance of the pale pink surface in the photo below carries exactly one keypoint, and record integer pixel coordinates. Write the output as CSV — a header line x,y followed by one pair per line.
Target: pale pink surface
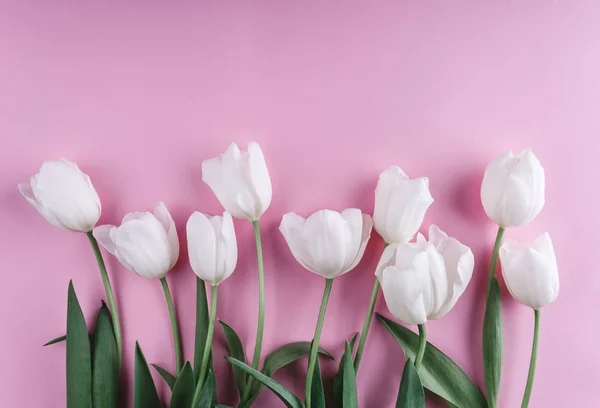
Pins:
x,y
138,95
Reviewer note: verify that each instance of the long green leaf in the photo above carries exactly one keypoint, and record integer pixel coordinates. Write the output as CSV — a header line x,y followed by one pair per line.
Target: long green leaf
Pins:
x,y
105,375
280,357
236,350
285,395
56,340
318,392
438,373
410,393
492,342
202,320
350,398
353,341
207,395
79,358
183,391
167,376
144,393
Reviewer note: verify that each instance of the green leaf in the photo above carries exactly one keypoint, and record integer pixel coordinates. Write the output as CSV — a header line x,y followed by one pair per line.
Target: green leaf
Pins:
x,y
280,357
438,372
79,358
56,340
183,391
105,375
492,342
236,350
207,395
167,376
202,321
144,393
353,341
285,395
410,394
350,399
318,392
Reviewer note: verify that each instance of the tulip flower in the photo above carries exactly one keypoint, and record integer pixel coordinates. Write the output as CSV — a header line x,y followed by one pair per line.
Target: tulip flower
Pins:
x,y
400,206
241,182
64,195
329,244
66,198
512,194
512,191
531,275
146,243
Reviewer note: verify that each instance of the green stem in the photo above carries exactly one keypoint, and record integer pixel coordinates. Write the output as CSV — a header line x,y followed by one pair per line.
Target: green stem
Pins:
x,y
312,361
261,308
365,329
174,328
492,272
109,295
422,346
532,362
207,344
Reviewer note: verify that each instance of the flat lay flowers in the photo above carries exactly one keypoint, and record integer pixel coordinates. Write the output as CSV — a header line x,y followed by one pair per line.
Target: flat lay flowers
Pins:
x,y
420,275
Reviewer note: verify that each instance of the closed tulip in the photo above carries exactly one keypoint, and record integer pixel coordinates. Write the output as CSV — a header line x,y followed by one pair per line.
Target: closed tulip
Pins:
x,y
512,191
64,195
530,271
423,280
400,205
212,246
240,180
327,243
145,243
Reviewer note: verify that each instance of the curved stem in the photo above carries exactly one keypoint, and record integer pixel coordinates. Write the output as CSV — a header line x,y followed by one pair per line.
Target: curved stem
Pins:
x,y
532,362
422,346
312,361
174,328
207,345
365,329
261,308
492,272
109,296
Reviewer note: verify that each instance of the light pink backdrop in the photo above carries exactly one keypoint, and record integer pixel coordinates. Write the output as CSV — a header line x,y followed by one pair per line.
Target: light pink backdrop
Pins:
x,y
335,92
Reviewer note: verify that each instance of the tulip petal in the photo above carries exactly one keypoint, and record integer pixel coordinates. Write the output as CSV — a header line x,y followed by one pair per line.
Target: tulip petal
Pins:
x,y
163,215
259,174
365,235
327,239
27,192
202,247
229,244
103,235
292,227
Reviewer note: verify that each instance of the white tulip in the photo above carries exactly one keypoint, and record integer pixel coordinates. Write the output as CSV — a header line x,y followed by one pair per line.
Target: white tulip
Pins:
x,y
530,271
240,180
400,205
145,243
64,195
423,280
212,246
512,191
328,243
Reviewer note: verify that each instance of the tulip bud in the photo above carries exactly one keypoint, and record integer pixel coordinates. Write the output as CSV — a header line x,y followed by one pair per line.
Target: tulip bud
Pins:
x,y
512,191
145,243
423,280
240,180
212,247
530,271
327,243
64,195
400,205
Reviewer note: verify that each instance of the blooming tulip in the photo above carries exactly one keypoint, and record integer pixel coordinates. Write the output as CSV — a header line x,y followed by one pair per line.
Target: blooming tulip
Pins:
x,y
64,195
212,247
400,205
512,191
423,280
145,243
327,243
240,180
530,271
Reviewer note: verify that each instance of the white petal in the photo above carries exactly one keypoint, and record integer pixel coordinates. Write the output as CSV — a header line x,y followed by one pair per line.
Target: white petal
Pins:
x,y
363,238
327,240
27,192
259,174
383,193
292,229
229,243
202,247
163,215
103,236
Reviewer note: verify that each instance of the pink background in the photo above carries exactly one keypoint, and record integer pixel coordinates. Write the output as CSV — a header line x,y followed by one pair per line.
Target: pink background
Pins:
x,y
335,92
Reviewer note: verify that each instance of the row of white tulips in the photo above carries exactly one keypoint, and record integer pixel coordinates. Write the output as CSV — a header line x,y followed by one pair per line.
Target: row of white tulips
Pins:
x,y
421,279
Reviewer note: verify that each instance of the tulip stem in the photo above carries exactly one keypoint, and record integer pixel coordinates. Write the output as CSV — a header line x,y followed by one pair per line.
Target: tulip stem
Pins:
x,y
314,348
174,327
422,346
365,329
207,345
532,362
492,273
109,295
261,308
